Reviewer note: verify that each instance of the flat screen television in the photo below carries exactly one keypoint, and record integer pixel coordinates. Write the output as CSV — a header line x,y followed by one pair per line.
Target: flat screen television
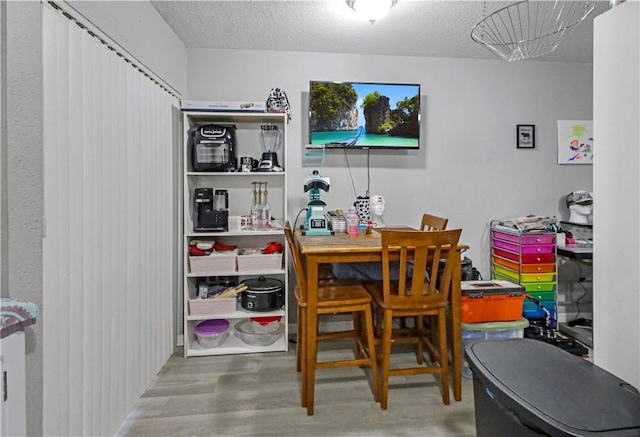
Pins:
x,y
364,115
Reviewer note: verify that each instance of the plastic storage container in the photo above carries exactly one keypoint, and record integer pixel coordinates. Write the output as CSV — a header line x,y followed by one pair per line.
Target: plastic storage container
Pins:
x,y
212,333
491,301
473,332
515,396
217,262
352,221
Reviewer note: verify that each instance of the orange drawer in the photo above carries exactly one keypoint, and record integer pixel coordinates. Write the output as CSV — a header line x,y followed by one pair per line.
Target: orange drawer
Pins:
x,y
538,268
507,263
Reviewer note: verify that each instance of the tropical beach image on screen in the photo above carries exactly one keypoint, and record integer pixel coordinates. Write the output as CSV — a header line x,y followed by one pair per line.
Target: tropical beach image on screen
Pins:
x,y
364,115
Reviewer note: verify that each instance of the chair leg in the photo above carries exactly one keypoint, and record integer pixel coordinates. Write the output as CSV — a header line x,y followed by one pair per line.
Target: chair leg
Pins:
x,y
357,333
386,358
371,345
444,359
377,321
299,340
419,330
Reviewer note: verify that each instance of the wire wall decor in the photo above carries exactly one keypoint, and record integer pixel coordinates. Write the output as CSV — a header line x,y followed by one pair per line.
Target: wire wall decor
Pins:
x,y
529,29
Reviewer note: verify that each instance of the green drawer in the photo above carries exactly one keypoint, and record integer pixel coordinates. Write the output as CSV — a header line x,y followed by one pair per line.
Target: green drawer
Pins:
x,y
543,295
533,287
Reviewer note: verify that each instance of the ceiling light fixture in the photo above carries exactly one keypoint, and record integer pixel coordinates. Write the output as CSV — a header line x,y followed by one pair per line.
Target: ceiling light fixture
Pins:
x,y
371,10
529,29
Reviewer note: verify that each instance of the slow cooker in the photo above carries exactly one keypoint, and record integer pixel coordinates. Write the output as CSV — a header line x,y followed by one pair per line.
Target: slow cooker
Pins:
x,y
262,294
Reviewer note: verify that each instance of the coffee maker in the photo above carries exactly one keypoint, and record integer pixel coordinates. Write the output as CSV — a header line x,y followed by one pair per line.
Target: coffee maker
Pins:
x,y
212,210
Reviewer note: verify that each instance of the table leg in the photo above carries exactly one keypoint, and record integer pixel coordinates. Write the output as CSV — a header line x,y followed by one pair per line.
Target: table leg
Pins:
x,y
311,330
456,329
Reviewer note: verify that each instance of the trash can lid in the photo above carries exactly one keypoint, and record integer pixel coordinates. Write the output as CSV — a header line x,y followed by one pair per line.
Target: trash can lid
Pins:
x,y
555,391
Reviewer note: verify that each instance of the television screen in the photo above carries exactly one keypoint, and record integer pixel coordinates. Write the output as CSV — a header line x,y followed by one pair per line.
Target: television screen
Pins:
x,y
364,115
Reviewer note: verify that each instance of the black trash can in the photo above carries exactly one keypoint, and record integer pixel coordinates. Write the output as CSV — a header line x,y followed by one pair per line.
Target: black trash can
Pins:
x,y
527,388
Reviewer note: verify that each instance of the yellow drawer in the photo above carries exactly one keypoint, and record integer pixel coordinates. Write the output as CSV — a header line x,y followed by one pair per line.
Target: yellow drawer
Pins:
x,y
538,277
510,274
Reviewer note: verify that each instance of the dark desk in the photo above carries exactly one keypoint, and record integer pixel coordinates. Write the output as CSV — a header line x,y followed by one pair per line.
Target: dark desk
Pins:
x,y
579,251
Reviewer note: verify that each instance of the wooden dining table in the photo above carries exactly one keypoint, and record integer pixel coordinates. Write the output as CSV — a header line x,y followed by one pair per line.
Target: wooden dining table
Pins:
x,y
345,248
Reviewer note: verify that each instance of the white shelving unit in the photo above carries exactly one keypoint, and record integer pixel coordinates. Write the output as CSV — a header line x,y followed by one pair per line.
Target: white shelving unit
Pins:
x,y
240,196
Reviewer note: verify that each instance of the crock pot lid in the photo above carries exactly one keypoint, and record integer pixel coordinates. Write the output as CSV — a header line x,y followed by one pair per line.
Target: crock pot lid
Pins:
x,y
263,284
212,327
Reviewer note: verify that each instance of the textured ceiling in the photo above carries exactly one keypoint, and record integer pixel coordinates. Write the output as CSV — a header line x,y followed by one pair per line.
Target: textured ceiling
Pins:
x,y
412,28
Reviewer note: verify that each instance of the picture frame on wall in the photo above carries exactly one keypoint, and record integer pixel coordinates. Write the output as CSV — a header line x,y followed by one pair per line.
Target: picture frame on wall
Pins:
x,y
526,136
575,142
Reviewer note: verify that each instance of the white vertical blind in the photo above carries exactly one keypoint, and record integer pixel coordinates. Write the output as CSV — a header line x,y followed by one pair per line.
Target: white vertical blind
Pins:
x,y
108,266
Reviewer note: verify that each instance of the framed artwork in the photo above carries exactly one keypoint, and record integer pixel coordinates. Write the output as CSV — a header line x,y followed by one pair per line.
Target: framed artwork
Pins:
x,y
575,142
526,136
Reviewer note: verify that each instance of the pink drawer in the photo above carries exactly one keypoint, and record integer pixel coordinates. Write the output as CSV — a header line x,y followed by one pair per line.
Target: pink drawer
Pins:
x,y
542,248
525,239
506,237
506,246
538,239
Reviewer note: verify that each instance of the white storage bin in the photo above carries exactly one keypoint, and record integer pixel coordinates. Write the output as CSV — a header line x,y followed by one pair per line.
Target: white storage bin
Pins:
x,y
217,262
473,332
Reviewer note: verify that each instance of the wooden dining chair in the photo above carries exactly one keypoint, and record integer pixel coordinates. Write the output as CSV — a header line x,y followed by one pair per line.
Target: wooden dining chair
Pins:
x,y
433,223
414,297
334,297
429,223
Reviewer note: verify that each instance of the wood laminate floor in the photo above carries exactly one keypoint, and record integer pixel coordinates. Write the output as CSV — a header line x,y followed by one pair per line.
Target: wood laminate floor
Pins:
x,y
259,395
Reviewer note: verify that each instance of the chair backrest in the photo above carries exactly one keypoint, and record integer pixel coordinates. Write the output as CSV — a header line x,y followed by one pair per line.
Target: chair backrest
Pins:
x,y
297,261
425,250
433,223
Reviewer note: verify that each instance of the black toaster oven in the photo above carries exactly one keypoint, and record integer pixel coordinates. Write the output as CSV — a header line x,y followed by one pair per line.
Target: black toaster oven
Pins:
x,y
214,148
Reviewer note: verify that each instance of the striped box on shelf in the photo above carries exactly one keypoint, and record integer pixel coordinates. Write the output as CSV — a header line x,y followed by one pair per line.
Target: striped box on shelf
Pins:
x,y
216,262
212,307
259,262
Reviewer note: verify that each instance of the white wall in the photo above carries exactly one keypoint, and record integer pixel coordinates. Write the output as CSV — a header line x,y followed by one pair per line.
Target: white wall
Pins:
x,y
617,186
468,168
24,184
138,27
